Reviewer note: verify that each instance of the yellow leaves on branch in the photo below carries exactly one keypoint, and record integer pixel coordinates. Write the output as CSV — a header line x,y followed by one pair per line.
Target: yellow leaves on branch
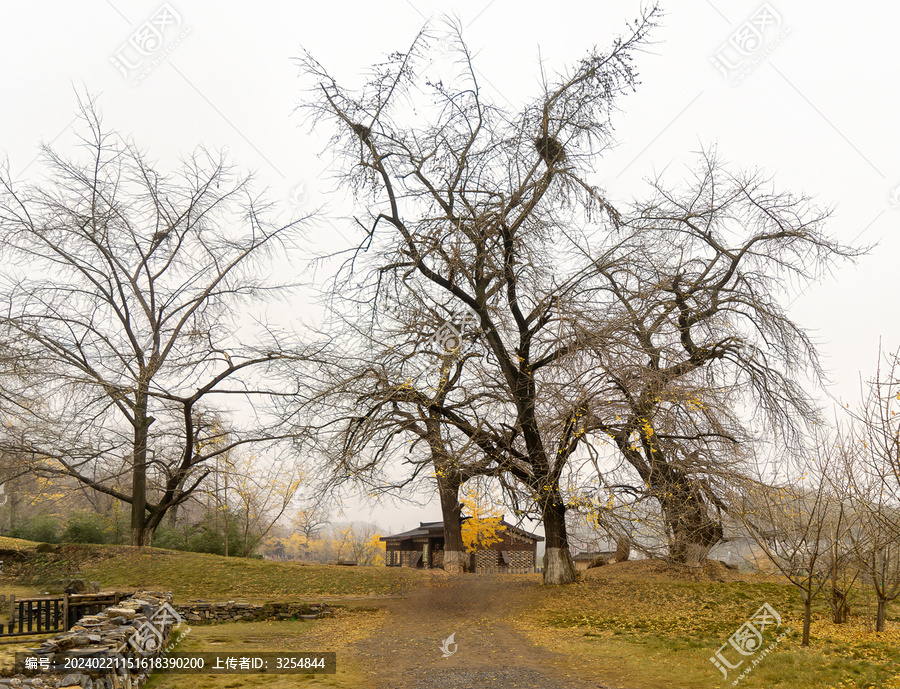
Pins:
x,y
484,526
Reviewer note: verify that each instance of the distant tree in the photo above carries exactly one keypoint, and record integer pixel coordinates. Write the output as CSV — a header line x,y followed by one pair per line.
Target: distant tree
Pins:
x,y
800,522
119,293
872,473
259,494
311,517
357,542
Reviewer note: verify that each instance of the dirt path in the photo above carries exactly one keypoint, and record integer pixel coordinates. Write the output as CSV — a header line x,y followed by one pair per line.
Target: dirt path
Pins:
x,y
485,652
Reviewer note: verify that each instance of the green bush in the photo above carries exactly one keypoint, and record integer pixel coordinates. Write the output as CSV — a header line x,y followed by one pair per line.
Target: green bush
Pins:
x,y
84,527
169,537
43,528
206,536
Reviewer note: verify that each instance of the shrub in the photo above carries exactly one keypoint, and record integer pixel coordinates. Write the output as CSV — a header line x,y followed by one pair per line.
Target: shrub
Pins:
x,y
84,527
43,528
206,536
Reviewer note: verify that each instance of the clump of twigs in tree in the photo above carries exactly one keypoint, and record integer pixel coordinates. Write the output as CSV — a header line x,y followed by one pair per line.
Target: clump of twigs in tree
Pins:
x,y
550,150
362,131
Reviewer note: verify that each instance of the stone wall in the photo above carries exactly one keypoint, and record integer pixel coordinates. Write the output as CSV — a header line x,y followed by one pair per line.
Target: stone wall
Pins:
x,y
124,629
203,611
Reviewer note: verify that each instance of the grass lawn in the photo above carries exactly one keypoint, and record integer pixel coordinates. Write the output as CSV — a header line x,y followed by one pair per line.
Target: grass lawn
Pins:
x,y
198,575
637,626
333,634
660,631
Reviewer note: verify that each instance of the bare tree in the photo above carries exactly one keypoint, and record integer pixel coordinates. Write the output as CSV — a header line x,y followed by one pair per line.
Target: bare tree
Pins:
x,y
383,421
594,323
467,213
874,478
119,290
257,493
799,521
877,548
310,518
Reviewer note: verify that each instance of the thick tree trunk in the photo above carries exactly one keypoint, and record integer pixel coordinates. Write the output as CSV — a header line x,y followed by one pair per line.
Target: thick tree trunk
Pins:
x,y
558,565
449,481
880,615
451,511
692,531
456,561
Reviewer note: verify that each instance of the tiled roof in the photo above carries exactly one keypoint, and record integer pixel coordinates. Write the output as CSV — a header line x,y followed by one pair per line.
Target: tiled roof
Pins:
x,y
435,528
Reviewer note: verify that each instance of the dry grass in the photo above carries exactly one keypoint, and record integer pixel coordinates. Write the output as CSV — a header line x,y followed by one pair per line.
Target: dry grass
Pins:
x,y
639,624
334,634
198,575
647,625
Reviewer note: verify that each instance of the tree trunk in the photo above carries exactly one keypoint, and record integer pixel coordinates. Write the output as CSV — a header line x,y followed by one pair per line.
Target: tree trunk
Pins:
x,y
692,531
807,618
139,469
840,607
449,480
13,498
881,614
558,565
451,511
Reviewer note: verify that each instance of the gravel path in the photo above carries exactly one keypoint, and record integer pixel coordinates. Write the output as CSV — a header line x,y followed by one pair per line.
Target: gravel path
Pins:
x,y
485,652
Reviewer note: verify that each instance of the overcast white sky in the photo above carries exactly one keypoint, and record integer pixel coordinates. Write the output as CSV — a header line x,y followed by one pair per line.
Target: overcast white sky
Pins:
x,y
805,91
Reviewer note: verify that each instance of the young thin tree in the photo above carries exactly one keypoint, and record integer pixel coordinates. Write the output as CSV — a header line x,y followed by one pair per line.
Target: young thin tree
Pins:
x,y
484,525
875,476
798,522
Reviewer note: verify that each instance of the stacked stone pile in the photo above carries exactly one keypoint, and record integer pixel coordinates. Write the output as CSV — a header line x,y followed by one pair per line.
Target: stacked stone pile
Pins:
x,y
104,634
122,630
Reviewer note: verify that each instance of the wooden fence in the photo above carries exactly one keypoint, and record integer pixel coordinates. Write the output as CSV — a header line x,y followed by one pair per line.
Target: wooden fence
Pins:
x,y
47,614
